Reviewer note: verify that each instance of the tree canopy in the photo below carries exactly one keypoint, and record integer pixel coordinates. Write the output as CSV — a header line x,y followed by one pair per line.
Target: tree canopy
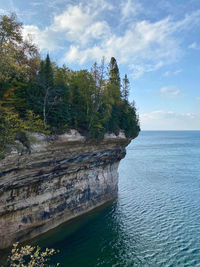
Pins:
x,y
38,95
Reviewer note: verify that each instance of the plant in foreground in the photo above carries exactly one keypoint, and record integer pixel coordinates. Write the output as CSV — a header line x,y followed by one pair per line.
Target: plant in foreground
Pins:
x,y
29,256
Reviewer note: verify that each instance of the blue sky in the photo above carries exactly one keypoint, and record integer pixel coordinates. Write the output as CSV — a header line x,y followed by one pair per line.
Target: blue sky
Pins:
x,y
157,43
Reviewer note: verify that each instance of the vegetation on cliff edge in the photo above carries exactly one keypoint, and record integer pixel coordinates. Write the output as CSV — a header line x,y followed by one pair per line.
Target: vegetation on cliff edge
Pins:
x,y
38,95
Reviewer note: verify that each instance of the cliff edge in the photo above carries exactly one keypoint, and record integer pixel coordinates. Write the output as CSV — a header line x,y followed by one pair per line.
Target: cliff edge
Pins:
x,y
56,179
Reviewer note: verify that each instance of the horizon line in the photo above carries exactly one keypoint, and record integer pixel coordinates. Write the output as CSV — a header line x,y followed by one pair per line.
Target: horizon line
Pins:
x,y
171,130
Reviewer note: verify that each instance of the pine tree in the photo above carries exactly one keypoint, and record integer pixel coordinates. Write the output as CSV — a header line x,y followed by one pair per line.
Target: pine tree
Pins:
x,y
45,84
98,74
114,96
125,88
114,77
59,112
47,78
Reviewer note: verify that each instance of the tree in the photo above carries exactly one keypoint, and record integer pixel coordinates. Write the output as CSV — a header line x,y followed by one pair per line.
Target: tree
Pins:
x,y
114,77
30,256
98,116
12,126
98,74
129,121
16,54
59,113
82,87
125,88
114,80
18,57
46,76
42,94
38,95
10,30
114,96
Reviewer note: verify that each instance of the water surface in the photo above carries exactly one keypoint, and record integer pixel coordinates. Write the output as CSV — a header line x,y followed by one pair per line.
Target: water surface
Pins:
x,y
156,219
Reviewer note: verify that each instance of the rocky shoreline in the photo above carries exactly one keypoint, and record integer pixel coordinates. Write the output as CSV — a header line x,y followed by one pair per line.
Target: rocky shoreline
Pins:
x,y
55,180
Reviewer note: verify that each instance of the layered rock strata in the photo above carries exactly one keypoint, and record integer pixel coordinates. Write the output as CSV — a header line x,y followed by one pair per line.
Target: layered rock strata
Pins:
x,y
57,179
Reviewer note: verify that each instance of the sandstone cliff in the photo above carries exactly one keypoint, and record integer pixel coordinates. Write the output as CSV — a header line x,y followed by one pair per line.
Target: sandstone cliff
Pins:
x,y
57,179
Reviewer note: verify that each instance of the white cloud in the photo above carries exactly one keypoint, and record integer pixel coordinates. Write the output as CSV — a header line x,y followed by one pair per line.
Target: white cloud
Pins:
x,y
129,9
100,5
98,30
193,46
176,72
3,11
43,39
55,4
170,91
88,35
139,70
75,54
74,20
188,22
36,4
168,73
76,25
143,41
169,120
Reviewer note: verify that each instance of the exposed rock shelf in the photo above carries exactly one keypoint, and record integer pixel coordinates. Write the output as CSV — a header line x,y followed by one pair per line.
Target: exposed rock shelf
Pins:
x,y
57,179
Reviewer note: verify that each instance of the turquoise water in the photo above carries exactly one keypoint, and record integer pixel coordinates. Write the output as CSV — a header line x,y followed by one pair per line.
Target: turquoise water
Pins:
x,y
156,219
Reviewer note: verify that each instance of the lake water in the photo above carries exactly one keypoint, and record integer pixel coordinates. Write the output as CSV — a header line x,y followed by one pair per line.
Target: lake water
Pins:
x,y
156,219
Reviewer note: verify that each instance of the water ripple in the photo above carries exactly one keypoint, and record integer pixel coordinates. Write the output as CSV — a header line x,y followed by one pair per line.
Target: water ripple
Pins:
x,y
156,219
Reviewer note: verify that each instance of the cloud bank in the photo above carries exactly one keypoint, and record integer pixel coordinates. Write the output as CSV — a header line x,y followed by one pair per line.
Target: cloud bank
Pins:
x,y
85,34
169,120
170,91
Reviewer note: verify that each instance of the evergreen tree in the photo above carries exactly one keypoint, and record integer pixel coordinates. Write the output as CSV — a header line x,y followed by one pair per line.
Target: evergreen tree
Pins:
x,y
59,113
46,76
114,96
41,93
114,77
98,74
125,88
82,87
35,93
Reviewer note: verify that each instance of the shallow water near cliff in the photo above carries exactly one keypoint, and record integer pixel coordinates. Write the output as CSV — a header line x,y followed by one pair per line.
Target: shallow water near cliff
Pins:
x,y
156,219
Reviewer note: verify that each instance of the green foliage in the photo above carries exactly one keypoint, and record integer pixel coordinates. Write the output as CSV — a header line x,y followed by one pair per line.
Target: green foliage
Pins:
x,y
33,123
17,57
82,88
114,77
125,88
37,95
97,130
59,115
29,256
129,120
11,126
10,123
44,89
114,121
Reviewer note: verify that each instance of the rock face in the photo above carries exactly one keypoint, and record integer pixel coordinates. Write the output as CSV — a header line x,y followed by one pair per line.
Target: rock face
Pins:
x,y
57,179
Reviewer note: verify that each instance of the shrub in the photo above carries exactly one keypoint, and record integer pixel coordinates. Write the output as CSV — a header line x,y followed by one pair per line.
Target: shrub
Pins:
x,y
29,256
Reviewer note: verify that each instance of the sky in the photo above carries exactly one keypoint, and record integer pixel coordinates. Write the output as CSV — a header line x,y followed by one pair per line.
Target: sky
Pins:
x,y
156,43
